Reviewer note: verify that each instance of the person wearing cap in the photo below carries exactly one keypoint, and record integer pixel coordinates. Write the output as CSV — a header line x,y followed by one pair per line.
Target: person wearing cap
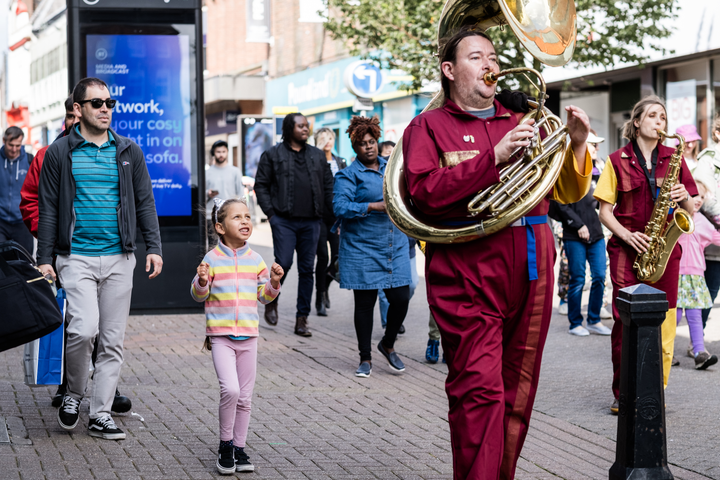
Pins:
x,y
584,243
692,144
708,172
222,180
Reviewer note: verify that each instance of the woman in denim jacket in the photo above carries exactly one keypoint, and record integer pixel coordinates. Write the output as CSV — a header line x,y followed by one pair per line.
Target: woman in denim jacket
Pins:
x,y
373,252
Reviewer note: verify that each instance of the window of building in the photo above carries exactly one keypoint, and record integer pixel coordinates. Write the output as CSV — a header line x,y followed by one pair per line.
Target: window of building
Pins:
x,y
53,61
686,87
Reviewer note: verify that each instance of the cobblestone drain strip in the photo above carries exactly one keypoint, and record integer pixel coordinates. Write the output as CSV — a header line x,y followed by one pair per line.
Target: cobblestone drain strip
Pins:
x,y
4,437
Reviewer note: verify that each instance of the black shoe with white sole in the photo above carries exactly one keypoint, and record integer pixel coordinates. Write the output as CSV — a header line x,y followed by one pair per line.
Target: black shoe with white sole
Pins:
x,y
69,413
393,359
242,462
104,427
226,460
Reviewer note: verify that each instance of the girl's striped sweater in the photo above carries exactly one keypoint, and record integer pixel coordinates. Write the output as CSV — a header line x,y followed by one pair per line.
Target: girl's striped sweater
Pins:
x,y
238,280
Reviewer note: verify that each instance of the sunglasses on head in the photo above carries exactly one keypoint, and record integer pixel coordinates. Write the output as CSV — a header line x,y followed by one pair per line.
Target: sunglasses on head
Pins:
x,y
98,102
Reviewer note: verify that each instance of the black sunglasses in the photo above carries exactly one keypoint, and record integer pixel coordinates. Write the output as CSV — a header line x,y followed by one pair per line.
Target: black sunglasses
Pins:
x,y
98,102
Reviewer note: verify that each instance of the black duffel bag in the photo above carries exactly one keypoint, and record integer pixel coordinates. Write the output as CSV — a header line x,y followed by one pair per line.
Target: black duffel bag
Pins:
x,y
28,308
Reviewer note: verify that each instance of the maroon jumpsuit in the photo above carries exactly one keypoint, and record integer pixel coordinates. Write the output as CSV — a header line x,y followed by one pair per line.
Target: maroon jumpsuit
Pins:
x,y
634,204
493,319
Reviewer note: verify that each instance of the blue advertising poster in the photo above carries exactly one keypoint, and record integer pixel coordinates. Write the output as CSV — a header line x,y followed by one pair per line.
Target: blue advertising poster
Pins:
x,y
149,76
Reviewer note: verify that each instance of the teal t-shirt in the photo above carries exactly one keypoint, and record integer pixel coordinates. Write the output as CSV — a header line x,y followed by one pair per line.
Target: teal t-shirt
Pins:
x,y
97,200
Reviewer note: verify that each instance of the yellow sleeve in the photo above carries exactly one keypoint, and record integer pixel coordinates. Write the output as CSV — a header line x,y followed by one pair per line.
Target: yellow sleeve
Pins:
x,y
606,189
571,186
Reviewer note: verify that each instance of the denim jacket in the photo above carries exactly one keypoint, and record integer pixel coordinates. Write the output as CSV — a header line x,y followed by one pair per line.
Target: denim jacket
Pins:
x,y
373,252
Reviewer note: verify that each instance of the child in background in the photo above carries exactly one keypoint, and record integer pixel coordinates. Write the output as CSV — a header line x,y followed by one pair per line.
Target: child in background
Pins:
x,y
693,294
230,280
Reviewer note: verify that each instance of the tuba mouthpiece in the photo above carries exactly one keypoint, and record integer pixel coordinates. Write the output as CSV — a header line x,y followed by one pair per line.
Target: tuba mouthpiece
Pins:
x,y
490,78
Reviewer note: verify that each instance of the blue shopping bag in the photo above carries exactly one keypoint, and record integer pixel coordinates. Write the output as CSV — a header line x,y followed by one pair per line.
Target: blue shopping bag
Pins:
x,y
43,357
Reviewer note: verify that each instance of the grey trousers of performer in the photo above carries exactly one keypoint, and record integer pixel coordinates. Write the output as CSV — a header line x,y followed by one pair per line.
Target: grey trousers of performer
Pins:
x,y
98,303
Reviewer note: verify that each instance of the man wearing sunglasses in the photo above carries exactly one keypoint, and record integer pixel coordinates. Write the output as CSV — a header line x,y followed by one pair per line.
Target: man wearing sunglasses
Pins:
x,y
95,191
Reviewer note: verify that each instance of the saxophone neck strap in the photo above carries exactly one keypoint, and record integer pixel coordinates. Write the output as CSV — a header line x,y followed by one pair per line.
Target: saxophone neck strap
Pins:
x,y
531,245
649,174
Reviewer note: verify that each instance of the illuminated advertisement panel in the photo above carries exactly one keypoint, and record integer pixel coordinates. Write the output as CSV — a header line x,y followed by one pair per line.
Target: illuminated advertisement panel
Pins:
x,y
149,76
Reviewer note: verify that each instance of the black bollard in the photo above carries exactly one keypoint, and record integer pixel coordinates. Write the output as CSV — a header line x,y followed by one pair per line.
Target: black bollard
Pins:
x,y
641,450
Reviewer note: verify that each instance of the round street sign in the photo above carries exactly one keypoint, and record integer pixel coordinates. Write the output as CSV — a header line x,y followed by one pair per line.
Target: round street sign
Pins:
x,y
363,79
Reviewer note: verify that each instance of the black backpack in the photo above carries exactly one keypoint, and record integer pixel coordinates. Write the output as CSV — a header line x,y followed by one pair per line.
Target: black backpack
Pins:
x,y
28,308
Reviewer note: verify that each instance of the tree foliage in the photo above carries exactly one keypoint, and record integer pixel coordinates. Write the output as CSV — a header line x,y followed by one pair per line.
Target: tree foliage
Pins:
x,y
401,34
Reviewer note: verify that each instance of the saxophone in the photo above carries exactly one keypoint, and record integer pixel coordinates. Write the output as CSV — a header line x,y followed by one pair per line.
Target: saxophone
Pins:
x,y
650,265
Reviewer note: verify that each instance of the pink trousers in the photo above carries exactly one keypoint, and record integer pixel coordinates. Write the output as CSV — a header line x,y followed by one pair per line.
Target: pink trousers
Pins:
x,y
235,364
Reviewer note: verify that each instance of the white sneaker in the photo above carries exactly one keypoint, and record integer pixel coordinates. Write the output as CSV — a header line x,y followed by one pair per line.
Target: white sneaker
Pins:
x,y
604,314
599,329
563,309
579,331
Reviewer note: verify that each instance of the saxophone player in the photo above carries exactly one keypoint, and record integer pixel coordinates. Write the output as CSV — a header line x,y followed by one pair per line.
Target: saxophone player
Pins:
x,y
627,190
492,297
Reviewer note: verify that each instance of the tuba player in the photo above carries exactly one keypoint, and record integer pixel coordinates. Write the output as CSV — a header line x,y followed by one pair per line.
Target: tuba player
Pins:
x,y
491,298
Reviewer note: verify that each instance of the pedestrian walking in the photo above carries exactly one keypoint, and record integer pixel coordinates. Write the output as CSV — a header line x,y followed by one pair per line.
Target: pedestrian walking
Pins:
x,y
491,302
30,212
222,180
294,188
325,266
16,163
228,280
584,244
94,241
373,252
708,172
627,190
693,294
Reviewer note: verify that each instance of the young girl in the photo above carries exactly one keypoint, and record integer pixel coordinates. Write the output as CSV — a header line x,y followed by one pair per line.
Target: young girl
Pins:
x,y
693,294
627,190
228,280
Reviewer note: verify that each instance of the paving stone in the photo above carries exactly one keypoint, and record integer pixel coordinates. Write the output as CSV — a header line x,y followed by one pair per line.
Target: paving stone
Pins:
x,y
312,419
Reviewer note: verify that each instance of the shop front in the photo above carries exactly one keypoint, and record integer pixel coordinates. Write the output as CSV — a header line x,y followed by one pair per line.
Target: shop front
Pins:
x,y
690,85
328,96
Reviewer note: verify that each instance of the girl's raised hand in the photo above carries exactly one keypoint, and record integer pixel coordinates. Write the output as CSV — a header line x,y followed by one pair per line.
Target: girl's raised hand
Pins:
x,y
203,272
276,273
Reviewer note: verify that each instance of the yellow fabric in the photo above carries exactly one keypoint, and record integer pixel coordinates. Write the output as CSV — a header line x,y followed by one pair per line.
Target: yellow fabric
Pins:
x,y
571,186
668,330
606,188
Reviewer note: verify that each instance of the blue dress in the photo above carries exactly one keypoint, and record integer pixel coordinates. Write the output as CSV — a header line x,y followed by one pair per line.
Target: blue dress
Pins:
x,y
373,252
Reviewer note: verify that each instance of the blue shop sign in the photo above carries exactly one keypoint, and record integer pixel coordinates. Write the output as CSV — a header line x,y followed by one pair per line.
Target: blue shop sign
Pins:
x,y
331,84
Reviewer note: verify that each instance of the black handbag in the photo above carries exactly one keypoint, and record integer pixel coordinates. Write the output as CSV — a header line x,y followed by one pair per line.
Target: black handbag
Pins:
x,y
28,308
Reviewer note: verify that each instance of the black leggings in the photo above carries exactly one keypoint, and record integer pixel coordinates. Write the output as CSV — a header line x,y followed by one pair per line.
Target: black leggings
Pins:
x,y
398,297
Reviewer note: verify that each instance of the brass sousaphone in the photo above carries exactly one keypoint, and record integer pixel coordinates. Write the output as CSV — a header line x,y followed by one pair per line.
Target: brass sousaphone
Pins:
x,y
546,28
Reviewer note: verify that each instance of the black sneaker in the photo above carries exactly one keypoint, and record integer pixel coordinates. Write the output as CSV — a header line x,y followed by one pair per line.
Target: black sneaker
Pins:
x,y
226,460
392,358
69,413
242,462
364,370
59,395
104,427
704,360
402,329
121,403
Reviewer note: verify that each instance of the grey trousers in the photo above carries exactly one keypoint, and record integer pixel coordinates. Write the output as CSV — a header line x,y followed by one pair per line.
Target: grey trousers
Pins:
x,y
98,297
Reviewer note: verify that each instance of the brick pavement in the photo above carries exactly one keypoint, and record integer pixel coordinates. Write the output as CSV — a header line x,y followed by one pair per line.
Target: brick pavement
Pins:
x,y
313,419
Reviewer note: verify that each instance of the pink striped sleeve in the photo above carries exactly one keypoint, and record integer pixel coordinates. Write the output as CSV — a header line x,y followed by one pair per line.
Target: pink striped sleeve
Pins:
x,y
266,292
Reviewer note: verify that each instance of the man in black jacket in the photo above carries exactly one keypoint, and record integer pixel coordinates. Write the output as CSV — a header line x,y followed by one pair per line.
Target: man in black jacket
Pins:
x,y
294,187
95,190
584,242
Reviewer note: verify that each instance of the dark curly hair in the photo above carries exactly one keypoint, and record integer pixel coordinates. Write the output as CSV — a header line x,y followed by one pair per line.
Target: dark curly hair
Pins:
x,y
359,126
